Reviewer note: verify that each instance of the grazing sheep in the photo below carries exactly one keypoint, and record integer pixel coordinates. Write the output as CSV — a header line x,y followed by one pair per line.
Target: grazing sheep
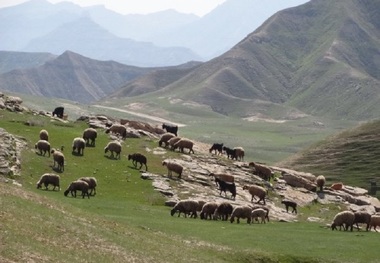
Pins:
x,y
44,135
224,210
217,148
92,184
231,153
118,129
259,213
90,135
47,179
224,177
173,167
184,144
256,190
78,185
375,222
264,208
201,203
138,158
320,181
113,147
173,141
170,128
239,153
78,146
224,187
345,219
186,207
59,158
43,146
291,204
336,186
362,217
262,171
165,138
208,210
241,212
59,112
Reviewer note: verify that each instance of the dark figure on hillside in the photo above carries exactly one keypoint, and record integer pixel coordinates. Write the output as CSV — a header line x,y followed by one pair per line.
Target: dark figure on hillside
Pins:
x,y
170,128
290,204
58,112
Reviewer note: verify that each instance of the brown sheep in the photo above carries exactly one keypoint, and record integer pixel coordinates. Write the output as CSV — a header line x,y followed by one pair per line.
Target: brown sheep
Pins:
x,y
44,135
173,141
118,129
59,159
224,210
184,144
362,217
113,147
173,167
138,158
186,207
239,153
43,146
345,219
262,171
92,184
241,212
320,182
90,135
78,185
208,210
47,179
256,190
78,146
165,138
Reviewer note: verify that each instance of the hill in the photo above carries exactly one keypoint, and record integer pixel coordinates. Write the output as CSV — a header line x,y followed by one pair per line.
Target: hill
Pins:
x,y
21,60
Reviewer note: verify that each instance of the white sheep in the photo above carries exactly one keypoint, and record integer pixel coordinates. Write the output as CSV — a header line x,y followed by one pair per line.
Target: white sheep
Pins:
x,y
165,138
59,158
90,135
345,219
47,179
375,222
43,146
186,207
224,210
113,147
266,209
173,167
78,145
320,182
256,190
259,213
243,211
44,135
92,184
208,210
184,144
78,185
118,129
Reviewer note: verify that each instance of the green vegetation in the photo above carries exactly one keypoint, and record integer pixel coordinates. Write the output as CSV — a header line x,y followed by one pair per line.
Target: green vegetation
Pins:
x,y
127,221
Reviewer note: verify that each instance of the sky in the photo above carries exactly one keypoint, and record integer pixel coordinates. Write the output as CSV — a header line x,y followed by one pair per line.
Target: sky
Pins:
x,y
197,7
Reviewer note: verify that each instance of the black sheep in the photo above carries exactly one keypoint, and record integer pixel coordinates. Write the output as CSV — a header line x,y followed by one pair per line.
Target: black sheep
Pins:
x,y
58,112
138,158
231,153
290,204
224,187
217,148
170,128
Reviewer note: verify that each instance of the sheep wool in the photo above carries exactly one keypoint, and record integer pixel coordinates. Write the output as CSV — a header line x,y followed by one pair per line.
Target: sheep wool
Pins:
x,y
184,144
43,146
113,147
90,135
375,222
78,145
44,135
186,207
241,212
165,138
92,184
345,219
173,167
208,210
259,213
59,159
47,178
320,181
224,210
78,185
256,190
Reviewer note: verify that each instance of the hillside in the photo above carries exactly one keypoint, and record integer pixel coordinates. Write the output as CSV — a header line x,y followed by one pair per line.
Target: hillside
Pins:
x,y
21,60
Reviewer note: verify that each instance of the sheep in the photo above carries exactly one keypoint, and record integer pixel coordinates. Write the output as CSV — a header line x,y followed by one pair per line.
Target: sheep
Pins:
x,y
375,221
90,135
208,210
47,179
336,186
170,128
241,212
259,213
201,203
138,158
59,112
263,171
59,158
186,207
77,185
224,210
217,148
231,153
224,177
165,138
256,190
113,147
320,182
291,204
44,135
345,219
43,146
118,129
239,153
362,217
92,184
223,187
78,146
184,144
173,141
173,167
266,209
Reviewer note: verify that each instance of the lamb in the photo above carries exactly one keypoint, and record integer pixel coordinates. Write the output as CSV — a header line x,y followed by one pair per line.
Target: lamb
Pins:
x,y
184,144
118,129
241,212
113,147
291,204
44,135
217,148
90,135
77,185
224,187
165,138
92,184
173,167
256,190
263,171
43,146
224,210
173,141
170,128
345,219
375,221
239,153
59,158
224,177
336,186
47,179
259,213
186,207
320,182
208,210
78,146
138,158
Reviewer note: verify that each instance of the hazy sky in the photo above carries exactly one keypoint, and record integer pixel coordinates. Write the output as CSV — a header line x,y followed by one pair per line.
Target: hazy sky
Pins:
x,y
198,7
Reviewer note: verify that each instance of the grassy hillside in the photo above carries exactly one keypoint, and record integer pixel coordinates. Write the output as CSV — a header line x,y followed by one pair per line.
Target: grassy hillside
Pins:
x,y
127,221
